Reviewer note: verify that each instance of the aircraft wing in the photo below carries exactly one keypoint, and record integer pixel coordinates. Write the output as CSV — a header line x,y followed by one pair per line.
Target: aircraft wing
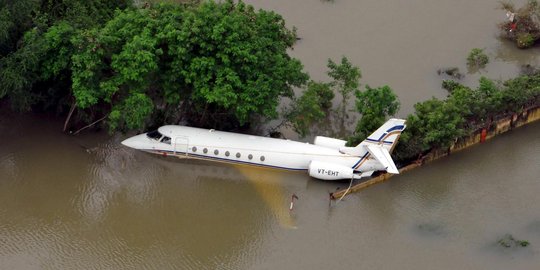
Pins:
x,y
383,156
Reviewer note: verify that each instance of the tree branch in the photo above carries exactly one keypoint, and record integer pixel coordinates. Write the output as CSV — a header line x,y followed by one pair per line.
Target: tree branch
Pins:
x,y
91,124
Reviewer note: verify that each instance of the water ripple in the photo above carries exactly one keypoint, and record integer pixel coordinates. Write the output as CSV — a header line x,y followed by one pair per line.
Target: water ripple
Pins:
x,y
115,172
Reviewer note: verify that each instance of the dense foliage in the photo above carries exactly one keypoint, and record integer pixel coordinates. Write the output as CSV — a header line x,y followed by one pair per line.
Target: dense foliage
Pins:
x,y
375,105
213,64
32,35
315,104
439,123
477,59
345,80
310,108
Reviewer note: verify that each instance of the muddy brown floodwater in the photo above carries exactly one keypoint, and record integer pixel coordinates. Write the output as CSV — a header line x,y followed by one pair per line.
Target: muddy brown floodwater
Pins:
x,y
401,43
86,202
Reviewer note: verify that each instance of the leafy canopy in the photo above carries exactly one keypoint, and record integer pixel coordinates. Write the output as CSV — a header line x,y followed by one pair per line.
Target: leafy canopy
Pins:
x,y
36,46
311,107
375,105
345,80
214,59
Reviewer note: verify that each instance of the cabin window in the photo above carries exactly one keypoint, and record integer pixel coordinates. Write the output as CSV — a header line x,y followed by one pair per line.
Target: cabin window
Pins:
x,y
194,149
262,158
154,135
227,153
216,152
166,140
205,150
238,155
250,156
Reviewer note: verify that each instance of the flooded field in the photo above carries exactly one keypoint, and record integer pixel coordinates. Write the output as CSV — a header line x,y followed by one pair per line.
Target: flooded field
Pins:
x,y
86,202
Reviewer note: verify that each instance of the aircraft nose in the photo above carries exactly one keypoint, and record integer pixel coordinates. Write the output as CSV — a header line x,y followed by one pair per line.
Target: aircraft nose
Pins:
x,y
132,142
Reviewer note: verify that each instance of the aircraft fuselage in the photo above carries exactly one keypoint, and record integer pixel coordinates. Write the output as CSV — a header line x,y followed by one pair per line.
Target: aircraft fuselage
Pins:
x,y
189,142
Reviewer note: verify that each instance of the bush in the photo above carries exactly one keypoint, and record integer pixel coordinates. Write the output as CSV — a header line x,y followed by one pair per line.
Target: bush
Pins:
x,y
439,123
450,85
525,29
525,40
477,58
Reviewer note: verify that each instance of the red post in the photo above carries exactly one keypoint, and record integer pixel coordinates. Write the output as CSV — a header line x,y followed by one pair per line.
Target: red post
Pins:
x,y
483,135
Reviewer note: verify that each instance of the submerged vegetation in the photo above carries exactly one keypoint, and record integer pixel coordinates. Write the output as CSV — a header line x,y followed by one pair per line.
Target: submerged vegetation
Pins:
x,y
451,72
508,241
477,59
523,24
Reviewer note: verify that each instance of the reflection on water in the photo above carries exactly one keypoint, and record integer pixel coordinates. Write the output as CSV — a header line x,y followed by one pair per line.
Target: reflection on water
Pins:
x,y
269,185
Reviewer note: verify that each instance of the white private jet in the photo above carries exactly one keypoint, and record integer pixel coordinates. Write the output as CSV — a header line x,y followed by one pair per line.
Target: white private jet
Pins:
x,y
326,159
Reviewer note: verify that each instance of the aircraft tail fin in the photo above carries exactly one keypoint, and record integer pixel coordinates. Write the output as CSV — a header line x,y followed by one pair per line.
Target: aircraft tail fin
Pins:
x,y
386,136
382,155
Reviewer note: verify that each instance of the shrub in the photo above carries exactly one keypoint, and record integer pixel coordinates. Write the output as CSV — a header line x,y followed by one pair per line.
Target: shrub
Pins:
x,y
477,58
525,29
525,40
450,85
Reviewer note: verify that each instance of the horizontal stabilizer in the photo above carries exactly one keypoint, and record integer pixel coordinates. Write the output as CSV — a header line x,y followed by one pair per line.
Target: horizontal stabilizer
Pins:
x,y
383,156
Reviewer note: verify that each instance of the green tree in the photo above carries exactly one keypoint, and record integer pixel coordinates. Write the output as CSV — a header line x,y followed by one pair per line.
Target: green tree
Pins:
x,y
213,63
411,145
43,31
520,92
345,80
15,19
80,13
439,122
375,105
310,108
20,70
488,100
477,59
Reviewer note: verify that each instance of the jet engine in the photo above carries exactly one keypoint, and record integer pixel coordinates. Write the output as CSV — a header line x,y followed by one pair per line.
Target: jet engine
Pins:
x,y
330,171
329,142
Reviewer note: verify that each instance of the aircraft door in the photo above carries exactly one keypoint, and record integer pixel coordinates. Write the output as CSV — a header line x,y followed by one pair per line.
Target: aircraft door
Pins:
x,y
181,145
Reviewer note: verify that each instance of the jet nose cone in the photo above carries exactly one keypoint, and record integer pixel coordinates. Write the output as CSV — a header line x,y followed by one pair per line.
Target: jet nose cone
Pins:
x,y
132,142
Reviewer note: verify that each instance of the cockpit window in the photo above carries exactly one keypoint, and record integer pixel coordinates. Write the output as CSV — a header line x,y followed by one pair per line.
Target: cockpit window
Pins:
x,y
166,140
155,135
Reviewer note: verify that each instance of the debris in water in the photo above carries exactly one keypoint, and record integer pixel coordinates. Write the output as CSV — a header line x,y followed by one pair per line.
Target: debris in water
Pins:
x,y
508,241
293,197
452,72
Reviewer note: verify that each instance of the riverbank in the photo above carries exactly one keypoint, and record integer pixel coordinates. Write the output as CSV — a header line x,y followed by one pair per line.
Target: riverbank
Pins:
x,y
498,127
